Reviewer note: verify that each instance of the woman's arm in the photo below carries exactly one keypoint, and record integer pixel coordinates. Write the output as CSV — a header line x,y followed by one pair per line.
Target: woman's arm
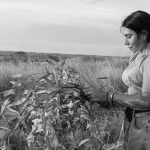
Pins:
x,y
140,102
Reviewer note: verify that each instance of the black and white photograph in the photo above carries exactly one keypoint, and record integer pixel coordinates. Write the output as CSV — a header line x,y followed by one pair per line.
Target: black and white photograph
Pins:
x,y
74,75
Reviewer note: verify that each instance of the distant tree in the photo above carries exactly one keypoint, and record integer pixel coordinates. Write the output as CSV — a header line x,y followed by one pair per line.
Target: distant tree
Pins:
x,y
20,53
21,56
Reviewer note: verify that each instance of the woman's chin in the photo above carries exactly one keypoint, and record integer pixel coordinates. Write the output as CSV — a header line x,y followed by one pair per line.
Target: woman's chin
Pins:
x,y
131,51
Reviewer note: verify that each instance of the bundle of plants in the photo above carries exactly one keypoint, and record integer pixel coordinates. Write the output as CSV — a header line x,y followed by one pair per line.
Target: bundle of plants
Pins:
x,y
48,113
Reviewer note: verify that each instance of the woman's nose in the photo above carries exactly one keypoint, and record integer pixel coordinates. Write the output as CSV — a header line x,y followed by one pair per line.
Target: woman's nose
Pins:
x,y
126,42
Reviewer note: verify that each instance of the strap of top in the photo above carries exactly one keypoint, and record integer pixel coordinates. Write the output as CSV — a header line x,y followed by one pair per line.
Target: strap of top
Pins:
x,y
133,57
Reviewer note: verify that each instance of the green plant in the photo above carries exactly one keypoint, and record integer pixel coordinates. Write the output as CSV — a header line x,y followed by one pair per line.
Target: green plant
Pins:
x,y
51,112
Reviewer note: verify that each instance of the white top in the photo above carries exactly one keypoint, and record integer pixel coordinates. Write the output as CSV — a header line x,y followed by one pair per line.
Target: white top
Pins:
x,y
137,73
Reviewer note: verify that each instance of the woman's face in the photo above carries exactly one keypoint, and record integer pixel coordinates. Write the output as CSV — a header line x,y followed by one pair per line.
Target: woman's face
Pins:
x,y
131,39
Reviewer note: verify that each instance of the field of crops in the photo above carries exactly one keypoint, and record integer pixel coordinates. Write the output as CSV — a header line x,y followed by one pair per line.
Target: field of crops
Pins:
x,y
43,106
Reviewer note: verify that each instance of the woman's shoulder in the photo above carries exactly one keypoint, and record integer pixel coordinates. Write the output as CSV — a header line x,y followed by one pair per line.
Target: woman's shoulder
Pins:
x,y
145,62
145,56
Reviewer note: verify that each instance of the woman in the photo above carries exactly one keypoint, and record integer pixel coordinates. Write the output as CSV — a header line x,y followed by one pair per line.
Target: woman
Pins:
x,y
136,30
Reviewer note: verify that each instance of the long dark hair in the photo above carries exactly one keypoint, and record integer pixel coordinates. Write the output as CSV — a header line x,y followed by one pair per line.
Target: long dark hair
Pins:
x,y
138,21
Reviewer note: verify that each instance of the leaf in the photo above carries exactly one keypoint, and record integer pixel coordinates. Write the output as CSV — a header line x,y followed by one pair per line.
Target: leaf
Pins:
x,y
43,91
15,84
102,78
39,128
4,124
36,121
4,105
9,92
83,142
12,82
88,125
25,92
2,134
4,128
10,114
47,114
70,105
77,101
54,142
76,119
83,108
84,117
69,124
20,101
75,93
71,112
3,147
30,139
30,108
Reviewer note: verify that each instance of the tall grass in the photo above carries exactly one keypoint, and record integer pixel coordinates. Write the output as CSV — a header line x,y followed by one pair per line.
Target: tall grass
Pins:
x,y
89,70
92,71
8,70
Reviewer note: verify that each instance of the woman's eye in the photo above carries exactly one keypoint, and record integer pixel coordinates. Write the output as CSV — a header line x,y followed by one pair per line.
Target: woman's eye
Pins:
x,y
128,36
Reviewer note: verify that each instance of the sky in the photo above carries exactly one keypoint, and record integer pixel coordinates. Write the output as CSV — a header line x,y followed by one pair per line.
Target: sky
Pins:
x,y
90,27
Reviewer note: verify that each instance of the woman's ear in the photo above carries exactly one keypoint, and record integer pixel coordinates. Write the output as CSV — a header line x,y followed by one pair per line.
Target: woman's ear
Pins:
x,y
144,34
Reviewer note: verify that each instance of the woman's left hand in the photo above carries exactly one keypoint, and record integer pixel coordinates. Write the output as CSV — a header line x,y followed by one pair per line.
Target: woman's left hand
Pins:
x,y
96,95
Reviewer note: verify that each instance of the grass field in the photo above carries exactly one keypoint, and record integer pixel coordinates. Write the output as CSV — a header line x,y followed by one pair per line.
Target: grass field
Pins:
x,y
106,124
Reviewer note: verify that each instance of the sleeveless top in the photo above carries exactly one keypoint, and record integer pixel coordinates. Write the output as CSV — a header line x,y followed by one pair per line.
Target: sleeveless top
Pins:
x,y
133,74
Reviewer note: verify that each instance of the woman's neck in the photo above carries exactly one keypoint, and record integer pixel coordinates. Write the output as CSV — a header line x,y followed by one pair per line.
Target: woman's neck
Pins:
x,y
148,45
146,51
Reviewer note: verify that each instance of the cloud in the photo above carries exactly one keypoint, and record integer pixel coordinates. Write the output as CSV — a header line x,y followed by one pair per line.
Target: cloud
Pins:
x,y
32,24
93,1
57,12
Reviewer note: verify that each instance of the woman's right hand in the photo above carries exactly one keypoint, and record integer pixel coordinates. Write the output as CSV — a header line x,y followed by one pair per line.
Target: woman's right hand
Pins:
x,y
96,95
